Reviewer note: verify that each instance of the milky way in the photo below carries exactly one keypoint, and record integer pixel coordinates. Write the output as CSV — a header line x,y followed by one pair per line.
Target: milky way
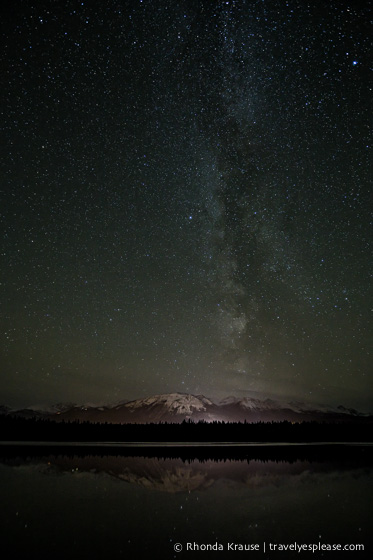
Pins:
x,y
185,200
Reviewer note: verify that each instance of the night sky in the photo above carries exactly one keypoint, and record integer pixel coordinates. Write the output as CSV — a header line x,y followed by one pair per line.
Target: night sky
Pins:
x,y
185,200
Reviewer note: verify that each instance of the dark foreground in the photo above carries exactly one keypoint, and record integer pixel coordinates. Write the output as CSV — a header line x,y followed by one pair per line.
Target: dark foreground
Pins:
x,y
95,501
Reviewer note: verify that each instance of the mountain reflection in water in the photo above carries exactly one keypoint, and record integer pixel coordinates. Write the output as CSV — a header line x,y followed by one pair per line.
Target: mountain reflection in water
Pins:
x,y
92,505
177,475
174,475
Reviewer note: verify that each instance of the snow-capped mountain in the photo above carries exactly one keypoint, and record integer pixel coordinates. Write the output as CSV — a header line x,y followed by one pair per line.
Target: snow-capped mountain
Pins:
x,y
268,410
170,407
176,402
176,407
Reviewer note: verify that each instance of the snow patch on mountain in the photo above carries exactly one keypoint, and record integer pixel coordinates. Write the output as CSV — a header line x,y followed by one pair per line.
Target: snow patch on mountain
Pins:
x,y
178,403
249,403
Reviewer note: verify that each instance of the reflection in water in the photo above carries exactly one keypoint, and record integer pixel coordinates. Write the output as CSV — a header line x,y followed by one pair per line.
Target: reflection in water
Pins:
x,y
94,506
175,475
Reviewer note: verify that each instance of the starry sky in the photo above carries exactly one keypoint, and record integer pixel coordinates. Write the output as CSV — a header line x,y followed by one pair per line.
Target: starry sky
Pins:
x,y
185,200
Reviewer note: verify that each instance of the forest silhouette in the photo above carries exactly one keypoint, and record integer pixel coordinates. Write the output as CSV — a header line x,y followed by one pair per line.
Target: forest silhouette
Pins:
x,y
13,428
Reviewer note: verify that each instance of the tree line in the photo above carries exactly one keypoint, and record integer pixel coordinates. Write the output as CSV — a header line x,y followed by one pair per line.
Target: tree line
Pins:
x,y
13,428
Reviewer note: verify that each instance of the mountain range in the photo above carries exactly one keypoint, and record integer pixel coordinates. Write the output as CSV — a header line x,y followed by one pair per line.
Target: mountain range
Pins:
x,y
177,407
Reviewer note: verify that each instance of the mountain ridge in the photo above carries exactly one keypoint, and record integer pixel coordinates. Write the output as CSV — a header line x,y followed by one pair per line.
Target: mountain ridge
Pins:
x,y
177,407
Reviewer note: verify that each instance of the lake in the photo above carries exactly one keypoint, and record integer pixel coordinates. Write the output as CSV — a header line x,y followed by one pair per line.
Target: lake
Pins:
x,y
128,502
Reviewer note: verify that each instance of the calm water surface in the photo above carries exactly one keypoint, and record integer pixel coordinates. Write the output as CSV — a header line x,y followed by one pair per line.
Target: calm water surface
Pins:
x,y
93,505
